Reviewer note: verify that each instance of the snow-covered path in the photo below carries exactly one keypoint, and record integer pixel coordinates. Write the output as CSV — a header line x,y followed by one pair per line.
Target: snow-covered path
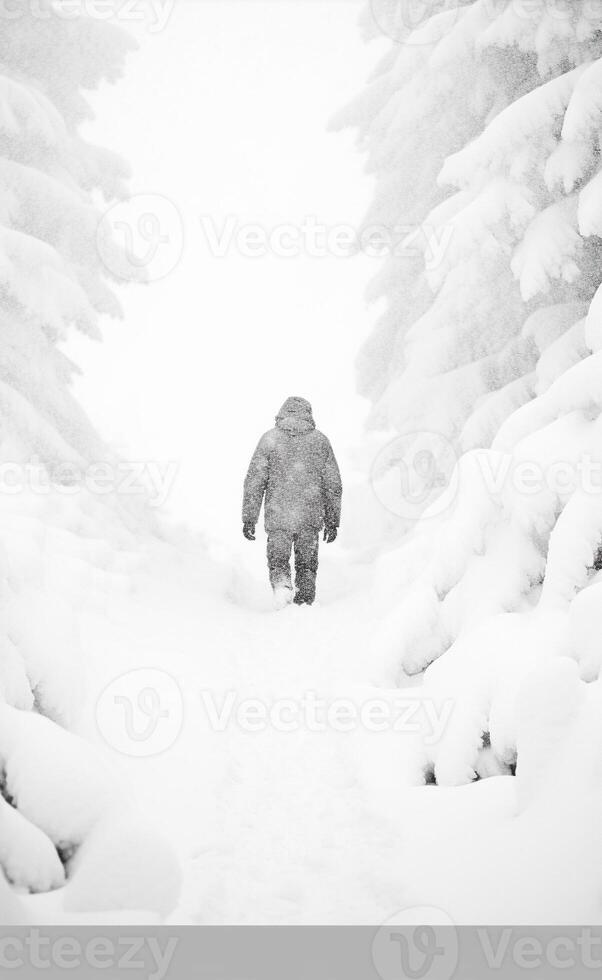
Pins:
x,y
273,825
313,824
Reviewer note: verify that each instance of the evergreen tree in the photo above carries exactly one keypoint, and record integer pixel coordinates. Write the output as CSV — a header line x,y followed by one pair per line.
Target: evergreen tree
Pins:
x,y
483,129
52,276
62,812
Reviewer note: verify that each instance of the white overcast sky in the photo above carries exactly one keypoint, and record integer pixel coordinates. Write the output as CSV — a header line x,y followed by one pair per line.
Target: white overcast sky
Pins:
x,y
225,112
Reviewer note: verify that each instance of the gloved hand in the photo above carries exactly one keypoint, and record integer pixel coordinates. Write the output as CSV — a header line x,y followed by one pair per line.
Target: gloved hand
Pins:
x,y
330,533
248,529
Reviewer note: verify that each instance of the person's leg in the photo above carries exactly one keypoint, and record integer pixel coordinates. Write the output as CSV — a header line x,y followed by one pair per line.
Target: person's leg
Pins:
x,y
306,565
280,545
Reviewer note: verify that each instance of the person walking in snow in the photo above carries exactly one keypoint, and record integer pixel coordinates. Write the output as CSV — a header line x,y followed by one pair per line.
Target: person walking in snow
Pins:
x,y
295,470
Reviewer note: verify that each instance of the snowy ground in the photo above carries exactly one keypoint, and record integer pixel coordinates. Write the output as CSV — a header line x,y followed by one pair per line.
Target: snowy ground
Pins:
x,y
272,826
327,823
293,826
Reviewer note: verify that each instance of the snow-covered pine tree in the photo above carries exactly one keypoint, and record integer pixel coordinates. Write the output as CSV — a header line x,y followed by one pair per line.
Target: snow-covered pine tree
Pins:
x,y
62,812
483,130
52,276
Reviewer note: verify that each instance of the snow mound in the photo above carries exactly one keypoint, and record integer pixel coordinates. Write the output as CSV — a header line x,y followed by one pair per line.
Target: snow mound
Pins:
x,y
58,781
27,856
124,864
12,910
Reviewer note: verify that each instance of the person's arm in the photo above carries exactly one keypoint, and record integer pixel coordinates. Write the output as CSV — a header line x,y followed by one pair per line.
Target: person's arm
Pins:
x,y
332,489
256,482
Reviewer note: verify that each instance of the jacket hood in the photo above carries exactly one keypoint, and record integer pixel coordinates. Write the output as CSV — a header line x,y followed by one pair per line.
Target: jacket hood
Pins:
x,y
295,416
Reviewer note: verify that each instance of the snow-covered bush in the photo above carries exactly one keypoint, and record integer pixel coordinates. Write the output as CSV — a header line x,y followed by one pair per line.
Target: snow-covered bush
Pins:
x,y
482,129
27,855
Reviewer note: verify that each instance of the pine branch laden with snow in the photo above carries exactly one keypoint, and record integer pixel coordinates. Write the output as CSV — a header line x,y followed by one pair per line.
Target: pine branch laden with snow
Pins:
x,y
52,278
483,128
65,824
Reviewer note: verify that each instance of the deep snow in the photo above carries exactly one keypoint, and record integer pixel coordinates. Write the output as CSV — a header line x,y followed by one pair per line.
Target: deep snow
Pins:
x,y
302,826
298,827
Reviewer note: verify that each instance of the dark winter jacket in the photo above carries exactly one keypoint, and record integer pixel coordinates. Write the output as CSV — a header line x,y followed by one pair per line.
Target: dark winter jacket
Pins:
x,y
294,467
